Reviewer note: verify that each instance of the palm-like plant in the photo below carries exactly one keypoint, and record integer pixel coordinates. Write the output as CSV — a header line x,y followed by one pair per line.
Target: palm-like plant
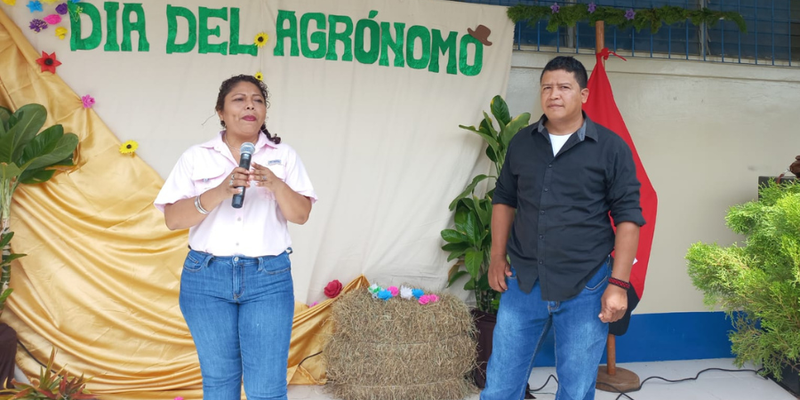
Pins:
x,y
51,386
471,240
26,156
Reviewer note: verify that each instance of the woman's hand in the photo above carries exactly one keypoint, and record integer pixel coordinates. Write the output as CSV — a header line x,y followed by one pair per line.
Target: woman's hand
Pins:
x,y
237,179
264,177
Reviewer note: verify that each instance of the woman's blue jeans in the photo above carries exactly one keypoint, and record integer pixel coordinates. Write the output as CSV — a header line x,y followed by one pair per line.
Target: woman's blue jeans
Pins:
x,y
239,311
523,321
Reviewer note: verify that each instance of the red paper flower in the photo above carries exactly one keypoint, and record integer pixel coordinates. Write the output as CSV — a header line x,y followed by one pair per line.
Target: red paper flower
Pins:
x,y
48,62
333,289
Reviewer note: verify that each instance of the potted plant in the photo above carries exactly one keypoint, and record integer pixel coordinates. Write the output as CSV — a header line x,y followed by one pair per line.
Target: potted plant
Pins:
x,y
470,241
758,284
51,385
27,156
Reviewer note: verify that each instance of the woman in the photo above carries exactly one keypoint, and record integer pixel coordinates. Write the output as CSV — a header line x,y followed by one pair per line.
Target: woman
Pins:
x,y
236,286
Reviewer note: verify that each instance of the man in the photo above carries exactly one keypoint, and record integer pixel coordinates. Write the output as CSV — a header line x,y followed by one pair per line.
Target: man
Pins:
x,y
561,178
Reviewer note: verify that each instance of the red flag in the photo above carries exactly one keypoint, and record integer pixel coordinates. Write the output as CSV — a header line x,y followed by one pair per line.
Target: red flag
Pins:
x,y
602,109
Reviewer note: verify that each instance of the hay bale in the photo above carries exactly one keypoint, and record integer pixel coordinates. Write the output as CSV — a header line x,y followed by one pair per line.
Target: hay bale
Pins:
x,y
399,349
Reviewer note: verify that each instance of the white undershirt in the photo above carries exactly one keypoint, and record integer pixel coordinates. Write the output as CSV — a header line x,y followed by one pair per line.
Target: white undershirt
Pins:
x,y
558,142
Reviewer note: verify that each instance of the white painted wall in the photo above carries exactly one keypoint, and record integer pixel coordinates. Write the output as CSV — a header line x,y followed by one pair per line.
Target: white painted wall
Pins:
x,y
705,132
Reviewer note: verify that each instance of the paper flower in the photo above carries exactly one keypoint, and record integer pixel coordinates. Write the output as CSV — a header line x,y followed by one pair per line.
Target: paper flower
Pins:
x,y
428,299
10,2
178,398
259,76
630,14
592,7
62,9
374,288
405,292
417,293
333,288
34,5
384,294
37,25
555,8
52,19
48,1
395,291
128,147
313,304
88,101
61,32
74,1
261,39
48,62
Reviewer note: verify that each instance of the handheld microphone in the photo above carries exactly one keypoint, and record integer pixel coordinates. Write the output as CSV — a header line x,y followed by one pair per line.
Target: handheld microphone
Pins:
x,y
245,155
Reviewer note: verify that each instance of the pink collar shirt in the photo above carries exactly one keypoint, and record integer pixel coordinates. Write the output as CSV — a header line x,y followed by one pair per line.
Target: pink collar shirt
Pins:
x,y
258,228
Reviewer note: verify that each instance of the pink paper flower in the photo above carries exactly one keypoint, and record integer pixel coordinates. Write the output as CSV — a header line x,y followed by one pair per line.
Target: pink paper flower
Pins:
x,y
394,290
88,101
52,19
428,299
313,304
179,398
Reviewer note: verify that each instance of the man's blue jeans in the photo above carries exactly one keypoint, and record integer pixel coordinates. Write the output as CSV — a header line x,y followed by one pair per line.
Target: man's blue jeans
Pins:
x,y
239,311
523,321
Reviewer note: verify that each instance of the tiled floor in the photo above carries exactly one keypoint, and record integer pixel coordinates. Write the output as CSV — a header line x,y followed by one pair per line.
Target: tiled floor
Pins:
x,y
711,385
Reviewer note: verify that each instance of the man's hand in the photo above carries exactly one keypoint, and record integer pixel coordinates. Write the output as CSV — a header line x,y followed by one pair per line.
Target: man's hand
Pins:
x,y
498,271
614,304
795,167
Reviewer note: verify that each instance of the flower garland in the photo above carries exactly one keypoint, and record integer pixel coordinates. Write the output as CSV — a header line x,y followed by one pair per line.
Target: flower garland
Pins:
x,y
404,292
569,15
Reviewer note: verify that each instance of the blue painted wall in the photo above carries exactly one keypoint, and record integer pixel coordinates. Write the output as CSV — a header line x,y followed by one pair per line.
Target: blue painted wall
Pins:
x,y
663,337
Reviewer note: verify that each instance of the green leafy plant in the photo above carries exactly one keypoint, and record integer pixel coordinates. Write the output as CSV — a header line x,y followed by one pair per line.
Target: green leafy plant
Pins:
x,y
471,239
27,156
51,385
758,284
570,15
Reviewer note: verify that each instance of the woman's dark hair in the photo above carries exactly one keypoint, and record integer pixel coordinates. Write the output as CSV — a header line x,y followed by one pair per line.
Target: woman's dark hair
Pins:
x,y
226,88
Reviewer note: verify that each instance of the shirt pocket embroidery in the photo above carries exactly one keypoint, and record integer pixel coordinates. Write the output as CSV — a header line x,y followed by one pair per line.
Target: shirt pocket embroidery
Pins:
x,y
206,177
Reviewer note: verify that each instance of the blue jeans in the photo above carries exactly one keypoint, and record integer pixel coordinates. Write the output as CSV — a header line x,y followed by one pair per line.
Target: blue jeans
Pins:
x,y
239,311
523,321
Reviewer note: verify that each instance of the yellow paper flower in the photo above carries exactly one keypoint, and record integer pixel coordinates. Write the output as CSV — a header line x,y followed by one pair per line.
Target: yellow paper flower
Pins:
x,y
61,32
10,2
128,147
259,76
261,39
49,1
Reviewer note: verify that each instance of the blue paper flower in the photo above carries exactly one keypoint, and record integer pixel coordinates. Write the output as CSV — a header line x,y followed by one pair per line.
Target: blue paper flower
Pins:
x,y
62,9
555,8
592,7
384,294
417,293
630,14
35,5
75,1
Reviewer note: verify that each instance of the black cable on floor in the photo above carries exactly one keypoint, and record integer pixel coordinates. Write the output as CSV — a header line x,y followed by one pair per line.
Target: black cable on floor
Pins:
x,y
624,393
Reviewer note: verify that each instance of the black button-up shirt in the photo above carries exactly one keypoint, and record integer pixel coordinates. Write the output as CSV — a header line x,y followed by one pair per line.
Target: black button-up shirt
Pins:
x,y
562,232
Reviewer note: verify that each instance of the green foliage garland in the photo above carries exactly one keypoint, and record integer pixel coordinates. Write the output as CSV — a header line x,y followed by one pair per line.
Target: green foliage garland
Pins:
x,y
758,285
570,15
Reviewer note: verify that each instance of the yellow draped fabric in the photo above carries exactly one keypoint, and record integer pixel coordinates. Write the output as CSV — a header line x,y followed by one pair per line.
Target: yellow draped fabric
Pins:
x,y
100,282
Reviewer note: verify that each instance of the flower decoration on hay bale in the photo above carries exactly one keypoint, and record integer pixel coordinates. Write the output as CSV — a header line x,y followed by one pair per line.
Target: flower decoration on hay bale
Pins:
x,y
398,350
333,288
404,292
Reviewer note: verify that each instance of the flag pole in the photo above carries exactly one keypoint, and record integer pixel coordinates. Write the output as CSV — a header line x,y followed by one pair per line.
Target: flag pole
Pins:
x,y
609,377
